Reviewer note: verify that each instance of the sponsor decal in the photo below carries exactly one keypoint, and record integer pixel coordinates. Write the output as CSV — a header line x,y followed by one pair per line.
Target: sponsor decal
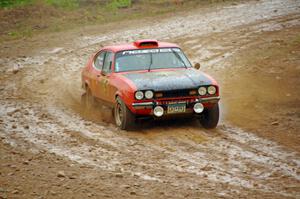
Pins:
x,y
147,51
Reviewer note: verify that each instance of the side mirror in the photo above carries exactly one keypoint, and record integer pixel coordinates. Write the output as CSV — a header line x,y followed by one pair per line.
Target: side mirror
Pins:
x,y
197,66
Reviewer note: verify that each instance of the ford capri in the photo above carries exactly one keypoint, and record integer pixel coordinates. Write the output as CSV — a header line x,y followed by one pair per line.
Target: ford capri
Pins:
x,y
149,79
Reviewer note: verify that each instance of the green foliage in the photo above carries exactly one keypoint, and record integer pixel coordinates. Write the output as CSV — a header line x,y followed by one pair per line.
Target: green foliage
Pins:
x,y
68,4
14,3
116,4
26,32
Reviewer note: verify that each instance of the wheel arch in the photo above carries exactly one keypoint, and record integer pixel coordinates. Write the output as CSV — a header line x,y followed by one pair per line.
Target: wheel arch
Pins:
x,y
86,85
119,94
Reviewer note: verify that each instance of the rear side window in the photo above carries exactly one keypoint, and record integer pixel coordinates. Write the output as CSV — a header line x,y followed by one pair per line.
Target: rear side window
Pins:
x,y
99,61
107,62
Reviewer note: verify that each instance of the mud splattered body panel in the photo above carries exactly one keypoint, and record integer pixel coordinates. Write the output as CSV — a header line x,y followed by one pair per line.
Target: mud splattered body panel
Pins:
x,y
169,80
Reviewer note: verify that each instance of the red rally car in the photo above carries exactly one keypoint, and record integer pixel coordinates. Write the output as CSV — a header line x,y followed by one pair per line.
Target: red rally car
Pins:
x,y
150,79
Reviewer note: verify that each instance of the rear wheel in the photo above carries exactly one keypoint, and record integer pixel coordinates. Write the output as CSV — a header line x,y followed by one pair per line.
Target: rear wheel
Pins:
x,y
124,118
210,117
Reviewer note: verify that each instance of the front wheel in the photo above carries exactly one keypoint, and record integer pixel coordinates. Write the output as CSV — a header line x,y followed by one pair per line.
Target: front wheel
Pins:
x,y
210,117
124,118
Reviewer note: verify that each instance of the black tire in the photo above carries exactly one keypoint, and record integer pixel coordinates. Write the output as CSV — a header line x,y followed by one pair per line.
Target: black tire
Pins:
x,y
210,117
124,118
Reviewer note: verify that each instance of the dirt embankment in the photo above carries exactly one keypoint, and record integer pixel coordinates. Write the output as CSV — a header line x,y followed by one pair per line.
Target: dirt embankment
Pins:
x,y
264,94
49,150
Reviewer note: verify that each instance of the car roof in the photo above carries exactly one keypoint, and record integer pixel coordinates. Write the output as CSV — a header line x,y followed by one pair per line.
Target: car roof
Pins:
x,y
138,45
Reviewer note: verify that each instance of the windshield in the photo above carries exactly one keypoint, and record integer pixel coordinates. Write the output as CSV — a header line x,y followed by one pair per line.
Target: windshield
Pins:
x,y
147,59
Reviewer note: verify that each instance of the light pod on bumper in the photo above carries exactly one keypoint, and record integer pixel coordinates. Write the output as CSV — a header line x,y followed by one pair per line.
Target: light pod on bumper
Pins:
x,y
158,111
198,108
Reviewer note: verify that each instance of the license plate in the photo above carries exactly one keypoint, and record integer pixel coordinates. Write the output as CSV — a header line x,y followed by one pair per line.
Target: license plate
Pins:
x,y
176,108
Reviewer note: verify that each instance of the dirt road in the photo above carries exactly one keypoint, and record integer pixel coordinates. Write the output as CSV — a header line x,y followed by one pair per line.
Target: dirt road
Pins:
x,y
50,149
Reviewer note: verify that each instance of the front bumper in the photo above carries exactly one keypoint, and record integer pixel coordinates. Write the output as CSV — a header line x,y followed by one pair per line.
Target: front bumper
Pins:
x,y
146,108
142,105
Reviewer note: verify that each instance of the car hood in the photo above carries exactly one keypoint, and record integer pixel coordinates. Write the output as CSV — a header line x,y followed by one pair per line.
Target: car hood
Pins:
x,y
168,80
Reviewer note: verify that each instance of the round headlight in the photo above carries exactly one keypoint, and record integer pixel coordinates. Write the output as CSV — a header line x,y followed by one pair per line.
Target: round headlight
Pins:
x,y
212,90
139,95
202,90
149,94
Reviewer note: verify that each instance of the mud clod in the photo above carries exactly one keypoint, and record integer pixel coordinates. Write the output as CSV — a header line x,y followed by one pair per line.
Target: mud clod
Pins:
x,y
275,123
119,175
61,174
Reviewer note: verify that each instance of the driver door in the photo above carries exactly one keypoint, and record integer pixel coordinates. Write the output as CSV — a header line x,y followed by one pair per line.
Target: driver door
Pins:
x,y
104,77
97,67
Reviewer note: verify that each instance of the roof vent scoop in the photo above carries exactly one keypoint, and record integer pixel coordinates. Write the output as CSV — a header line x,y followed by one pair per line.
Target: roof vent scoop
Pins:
x,y
146,43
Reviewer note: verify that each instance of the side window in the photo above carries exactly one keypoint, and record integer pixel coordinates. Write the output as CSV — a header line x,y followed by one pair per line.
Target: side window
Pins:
x,y
99,61
107,62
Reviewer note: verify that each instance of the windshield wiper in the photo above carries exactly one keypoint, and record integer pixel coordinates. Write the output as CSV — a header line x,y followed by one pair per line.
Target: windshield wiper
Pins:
x,y
180,59
151,61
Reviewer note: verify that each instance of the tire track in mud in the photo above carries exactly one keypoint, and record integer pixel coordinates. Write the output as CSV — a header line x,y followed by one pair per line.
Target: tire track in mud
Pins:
x,y
215,48
227,160
225,157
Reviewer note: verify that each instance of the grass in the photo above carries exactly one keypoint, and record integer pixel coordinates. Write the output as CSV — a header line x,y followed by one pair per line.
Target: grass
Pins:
x,y
25,18
14,3
117,4
66,4
26,32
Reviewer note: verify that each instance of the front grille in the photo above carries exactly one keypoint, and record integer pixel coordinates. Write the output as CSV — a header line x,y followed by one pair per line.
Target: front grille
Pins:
x,y
175,93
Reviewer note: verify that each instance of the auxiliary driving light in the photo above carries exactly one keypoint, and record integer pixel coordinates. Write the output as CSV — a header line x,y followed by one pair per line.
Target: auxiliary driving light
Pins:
x,y
198,108
158,111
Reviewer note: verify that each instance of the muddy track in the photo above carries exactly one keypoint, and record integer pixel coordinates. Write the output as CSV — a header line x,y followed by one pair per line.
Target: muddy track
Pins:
x,y
40,110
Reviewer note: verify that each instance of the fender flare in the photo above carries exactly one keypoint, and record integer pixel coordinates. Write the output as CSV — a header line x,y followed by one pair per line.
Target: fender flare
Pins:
x,y
129,106
119,94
